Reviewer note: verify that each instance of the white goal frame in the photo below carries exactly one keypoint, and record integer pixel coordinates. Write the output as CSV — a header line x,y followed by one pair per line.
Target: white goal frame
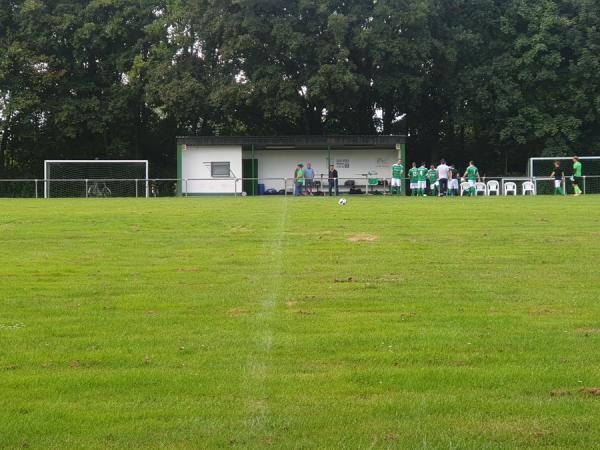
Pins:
x,y
556,158
92,161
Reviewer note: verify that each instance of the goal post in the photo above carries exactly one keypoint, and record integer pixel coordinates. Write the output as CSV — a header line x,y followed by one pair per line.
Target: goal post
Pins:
x,y
540,168
96,178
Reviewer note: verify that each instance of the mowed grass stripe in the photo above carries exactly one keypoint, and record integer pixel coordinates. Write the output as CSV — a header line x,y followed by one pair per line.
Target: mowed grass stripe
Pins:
x,y
260,359
391,322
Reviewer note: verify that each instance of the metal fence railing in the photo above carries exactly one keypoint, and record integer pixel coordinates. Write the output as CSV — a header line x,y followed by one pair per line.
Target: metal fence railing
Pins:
x,y
321,186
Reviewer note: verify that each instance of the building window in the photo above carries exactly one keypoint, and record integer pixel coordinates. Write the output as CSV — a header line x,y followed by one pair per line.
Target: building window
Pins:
x,y
342,163
219,169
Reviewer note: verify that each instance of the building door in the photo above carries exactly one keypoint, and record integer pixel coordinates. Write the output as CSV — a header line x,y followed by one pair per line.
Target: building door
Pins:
x,y
250,170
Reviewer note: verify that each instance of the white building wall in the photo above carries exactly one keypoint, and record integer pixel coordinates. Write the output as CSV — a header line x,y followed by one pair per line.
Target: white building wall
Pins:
x,y
350,164
196,164
282,163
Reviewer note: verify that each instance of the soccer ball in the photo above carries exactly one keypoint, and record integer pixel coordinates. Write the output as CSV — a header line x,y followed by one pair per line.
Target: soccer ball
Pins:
x,y
462,180
342,201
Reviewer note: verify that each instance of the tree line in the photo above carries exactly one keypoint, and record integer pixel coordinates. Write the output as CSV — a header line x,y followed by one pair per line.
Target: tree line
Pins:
x,y
493,80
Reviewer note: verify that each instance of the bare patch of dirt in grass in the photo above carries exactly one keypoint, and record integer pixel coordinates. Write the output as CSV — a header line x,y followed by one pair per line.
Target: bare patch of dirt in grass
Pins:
x,y
291,303
75,364
590,391
387,279
345,280
238,312
540,312
10,367
304,312
188,269
392,437
363,238
459,363
587,330
240,229
256,404
559,392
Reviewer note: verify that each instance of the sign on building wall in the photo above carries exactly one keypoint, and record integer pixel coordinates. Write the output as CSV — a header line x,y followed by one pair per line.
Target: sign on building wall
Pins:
x,y
382,162
342,163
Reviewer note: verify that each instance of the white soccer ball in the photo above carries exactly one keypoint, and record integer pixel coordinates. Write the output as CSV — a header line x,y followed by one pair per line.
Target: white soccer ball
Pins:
x,y
462,180
342,201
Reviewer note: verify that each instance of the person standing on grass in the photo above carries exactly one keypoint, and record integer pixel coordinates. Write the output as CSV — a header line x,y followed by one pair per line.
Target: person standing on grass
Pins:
x,y
442,175
422,179
299,180
333,180
309,178
397,175
472,176
413,174
559,178
452,180
433,181
577,175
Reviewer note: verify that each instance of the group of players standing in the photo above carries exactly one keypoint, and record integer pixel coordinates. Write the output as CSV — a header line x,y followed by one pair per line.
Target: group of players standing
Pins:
x,y
442,180
559,176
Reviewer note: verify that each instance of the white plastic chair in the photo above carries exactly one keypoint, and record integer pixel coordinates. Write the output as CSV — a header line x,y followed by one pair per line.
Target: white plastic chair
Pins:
x,y
480,187
464,187
528,186
493,186
509,186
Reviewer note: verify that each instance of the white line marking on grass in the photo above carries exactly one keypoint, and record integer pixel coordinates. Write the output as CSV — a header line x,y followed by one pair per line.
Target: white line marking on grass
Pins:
x,y
260,361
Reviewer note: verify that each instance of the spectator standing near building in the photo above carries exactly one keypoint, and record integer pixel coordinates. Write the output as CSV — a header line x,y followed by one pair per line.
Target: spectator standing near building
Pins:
x,y
397,176
577,175
442,174
299,180
333,180
413,175
309,178
559,178
472,176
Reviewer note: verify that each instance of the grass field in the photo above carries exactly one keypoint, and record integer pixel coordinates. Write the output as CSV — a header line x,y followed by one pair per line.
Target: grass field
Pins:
x,y
296,323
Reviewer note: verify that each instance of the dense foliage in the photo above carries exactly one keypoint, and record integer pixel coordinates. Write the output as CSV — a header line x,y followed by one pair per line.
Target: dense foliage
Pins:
x,y
496,80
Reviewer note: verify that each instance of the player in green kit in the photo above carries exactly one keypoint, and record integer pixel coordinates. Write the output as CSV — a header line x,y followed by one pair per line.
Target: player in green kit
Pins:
x,y
422,179
472,176
397,175
433,183
413,174
576,178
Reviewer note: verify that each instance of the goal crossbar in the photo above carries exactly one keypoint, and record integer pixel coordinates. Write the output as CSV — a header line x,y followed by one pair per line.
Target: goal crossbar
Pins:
x,y
530,171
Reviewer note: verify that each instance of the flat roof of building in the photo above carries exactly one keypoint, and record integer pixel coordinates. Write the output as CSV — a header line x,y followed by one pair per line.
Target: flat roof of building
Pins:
x,y
297,142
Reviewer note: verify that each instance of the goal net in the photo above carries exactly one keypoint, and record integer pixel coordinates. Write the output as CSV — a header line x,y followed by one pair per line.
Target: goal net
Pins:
x,y
95,178
540,168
